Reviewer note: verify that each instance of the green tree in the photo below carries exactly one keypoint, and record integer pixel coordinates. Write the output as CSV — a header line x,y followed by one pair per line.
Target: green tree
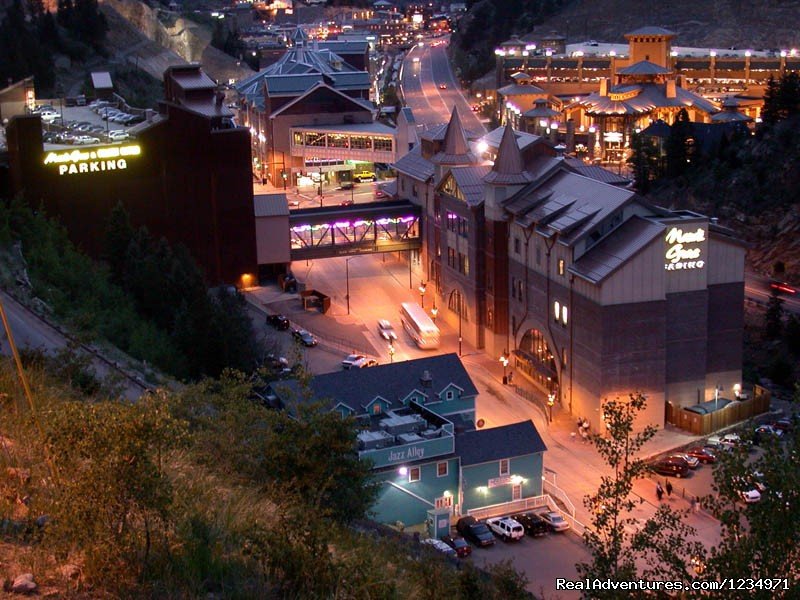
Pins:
x,y
644,161
677,145
662,539
759,539
773,317
119,234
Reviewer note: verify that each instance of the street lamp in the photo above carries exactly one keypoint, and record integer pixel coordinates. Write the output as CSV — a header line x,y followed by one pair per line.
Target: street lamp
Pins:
x,y
391,352
434,310
422,289
551,399
347,281
504,362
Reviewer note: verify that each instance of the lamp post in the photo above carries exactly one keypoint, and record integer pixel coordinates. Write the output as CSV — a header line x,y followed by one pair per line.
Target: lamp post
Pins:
x,y
504,362
422,289
434,310
551,399
391,352
347,281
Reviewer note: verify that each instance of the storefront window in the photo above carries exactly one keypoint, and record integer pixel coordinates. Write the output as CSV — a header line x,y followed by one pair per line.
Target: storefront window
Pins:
x,y
336,140
413,474
360,142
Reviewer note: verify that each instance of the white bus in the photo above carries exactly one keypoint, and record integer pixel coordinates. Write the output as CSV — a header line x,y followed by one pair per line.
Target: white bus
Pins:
x,y
419,325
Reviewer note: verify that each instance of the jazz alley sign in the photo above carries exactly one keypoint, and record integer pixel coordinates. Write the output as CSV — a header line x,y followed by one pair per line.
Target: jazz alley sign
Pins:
x,y
684,249
94,160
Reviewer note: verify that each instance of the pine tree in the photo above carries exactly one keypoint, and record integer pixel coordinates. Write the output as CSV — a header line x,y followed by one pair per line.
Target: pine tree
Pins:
x,y
773,317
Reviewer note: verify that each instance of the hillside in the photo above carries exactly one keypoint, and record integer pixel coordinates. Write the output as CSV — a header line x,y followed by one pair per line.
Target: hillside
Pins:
x,y
723,23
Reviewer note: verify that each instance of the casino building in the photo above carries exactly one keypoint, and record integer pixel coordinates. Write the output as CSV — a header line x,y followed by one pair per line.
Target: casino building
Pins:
x,y
589,290
185,175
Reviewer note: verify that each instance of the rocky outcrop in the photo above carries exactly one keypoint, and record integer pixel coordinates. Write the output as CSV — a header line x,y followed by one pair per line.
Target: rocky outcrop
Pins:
x,y
187,39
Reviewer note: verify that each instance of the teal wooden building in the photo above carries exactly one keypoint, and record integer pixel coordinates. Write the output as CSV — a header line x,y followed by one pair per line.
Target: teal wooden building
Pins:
x,y
417,428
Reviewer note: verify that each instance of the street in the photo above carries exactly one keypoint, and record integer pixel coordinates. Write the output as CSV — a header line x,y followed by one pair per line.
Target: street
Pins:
x,y
421,82
378,284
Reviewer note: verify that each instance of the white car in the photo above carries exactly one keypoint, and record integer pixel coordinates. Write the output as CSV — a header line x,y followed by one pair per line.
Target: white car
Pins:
x,y
729,440
750,496
386,330
81,140
118,135
555,520
49,116
353,361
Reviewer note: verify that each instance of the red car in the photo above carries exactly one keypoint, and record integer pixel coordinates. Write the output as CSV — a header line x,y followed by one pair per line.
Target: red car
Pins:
x,y
459,544
704,455
782,286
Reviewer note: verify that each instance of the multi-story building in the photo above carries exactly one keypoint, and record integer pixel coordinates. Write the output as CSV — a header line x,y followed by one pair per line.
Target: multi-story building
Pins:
x,y
310,113
416,421
592,290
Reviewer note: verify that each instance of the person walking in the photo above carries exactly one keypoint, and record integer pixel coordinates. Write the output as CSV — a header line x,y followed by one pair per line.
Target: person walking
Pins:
x,y
659,491
669,489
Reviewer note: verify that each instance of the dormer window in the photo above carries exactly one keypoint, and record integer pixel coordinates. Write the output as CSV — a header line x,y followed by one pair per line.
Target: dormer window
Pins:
x,y
376,408
449,395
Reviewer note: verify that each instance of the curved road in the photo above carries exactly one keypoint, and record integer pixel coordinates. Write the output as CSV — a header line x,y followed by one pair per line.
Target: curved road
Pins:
x,y
420,82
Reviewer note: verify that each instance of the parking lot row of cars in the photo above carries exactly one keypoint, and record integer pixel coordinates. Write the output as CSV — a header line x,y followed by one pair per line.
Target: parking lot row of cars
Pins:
x,y
484,533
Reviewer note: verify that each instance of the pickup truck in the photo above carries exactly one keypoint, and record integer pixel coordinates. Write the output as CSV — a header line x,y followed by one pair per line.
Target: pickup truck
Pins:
x,y
506,528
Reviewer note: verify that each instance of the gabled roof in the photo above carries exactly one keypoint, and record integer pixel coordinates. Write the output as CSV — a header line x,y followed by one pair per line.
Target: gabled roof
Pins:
x,y
509,441
317,87
101,80
508,167
196,79
414,165
567,204
595,172
644,67
541,110
616,249
356,388
524,139
470,181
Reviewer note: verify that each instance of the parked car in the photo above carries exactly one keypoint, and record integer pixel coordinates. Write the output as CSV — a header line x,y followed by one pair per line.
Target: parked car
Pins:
x,y
305,337
386,330
675,468
554,520
81,140
118,135
475,531
534,525
729,440
347,185
506,528
439,546
750,496
704,455
48,116
360,176
690,461
347,202
459,544
351,360
784,425
279,322
279,364
370,362
766,431
381,193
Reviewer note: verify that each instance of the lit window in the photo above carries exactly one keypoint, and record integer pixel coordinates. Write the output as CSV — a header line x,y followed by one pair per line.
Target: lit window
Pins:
x,y
504,466
376,408
560,266
564,315
441,469
556,310
413,474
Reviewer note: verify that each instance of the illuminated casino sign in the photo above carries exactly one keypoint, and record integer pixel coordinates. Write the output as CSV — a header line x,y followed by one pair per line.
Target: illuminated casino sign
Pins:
x,y
92,160
684,249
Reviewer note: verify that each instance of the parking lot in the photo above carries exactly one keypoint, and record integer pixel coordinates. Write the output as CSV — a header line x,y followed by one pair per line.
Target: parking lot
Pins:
x,y
542,560
77,121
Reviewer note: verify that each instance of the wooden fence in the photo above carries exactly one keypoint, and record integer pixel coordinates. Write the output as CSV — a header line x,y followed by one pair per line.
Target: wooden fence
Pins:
x,y
734,412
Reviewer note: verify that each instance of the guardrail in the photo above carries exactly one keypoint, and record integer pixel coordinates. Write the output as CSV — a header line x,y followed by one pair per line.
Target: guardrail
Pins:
x,y
526,504
555,491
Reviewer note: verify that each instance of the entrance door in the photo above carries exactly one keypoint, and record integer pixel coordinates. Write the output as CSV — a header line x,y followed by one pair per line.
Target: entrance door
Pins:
x,y
516,492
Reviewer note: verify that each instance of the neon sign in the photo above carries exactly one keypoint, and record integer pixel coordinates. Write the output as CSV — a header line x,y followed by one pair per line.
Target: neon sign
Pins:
x,y
96,160
684,249
355,224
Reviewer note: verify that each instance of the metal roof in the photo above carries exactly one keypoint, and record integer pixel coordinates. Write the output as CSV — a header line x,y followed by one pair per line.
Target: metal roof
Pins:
x,y
509,441
650,97
101,80
524,139
644,67
617,248
470,182
515,89
312,90
270,205
192,80
650,30
414,165
508,167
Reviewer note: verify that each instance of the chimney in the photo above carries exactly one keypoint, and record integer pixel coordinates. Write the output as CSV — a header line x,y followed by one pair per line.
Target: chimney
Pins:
x,y
671,91
570,135
426,380
604,86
